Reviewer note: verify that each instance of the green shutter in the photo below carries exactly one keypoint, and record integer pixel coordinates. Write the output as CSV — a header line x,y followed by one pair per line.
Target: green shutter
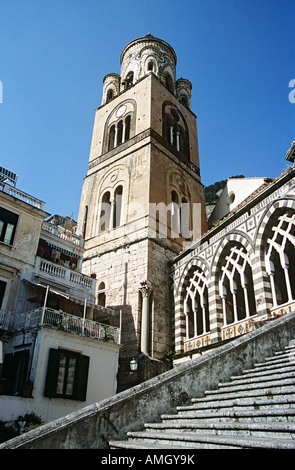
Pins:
x,y
52,373
81,378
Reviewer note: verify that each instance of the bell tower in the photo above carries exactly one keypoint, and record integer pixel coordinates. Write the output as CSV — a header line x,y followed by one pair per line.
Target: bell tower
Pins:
x,y
142,199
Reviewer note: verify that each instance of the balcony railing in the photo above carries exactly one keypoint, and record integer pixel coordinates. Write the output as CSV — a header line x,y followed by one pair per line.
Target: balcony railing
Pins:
x,y
63,233
16,193
69,323
69,276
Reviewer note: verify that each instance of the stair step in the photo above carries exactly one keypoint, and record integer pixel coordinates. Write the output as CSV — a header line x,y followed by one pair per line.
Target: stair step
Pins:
x,y
238,392
253,410
192,440
260,429
277,381
271,370
277,415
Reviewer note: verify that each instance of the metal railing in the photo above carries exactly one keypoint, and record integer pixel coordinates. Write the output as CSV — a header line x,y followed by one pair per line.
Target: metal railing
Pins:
x,y
69,323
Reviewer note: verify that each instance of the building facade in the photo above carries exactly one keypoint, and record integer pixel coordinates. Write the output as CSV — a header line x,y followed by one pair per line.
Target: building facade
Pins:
x,y
240,273
55,354
142,199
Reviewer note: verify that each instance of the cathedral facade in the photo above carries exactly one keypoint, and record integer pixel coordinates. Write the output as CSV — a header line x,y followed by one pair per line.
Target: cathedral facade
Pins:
x,y
142,184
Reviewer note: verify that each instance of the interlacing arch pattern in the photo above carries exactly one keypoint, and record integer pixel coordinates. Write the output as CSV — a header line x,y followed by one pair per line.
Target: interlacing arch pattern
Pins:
x,y
196,305
280,257
236,285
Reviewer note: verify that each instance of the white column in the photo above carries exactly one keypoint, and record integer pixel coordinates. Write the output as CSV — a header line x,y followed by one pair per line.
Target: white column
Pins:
x,y
111,224
177,141
144,340
171,135
116,137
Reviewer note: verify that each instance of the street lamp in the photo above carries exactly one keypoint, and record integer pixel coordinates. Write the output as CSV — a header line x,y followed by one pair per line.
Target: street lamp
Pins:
x,y
133,365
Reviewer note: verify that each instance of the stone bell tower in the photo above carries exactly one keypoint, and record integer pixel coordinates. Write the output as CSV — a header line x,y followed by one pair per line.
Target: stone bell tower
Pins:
x,y
142,198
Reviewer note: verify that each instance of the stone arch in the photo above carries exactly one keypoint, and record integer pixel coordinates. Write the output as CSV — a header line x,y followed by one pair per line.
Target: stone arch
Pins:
x,y
115,183
175,130
232,270
276,246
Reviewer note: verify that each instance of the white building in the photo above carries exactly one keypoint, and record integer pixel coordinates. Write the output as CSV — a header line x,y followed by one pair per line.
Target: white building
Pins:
x,y
56,356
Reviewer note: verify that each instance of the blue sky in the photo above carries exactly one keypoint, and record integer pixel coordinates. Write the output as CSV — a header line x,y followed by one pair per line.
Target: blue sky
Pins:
x,y
239,56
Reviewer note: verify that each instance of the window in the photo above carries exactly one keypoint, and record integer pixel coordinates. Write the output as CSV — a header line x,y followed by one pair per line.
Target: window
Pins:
x,y
110,95
15,370
67,375
111,209
8,222
2,292
129,80
101,296
119,132
175,131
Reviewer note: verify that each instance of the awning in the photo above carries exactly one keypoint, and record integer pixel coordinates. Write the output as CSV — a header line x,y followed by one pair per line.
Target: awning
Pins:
x,y
71,298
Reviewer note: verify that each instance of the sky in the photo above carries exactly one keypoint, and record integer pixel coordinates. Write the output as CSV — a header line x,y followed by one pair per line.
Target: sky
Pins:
x,y
238,55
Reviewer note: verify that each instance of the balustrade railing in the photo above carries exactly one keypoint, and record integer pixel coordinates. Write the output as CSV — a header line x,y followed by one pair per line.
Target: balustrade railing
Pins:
x,y
60,272
69,323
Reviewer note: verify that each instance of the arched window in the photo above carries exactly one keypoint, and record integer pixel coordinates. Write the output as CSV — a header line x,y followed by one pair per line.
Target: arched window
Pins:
x,y
111,209
196,305
110,95
101,296
236,284
112,137
118,206
175,131
280,257
129,79
105,212
150,66
119,132
175,215
169,82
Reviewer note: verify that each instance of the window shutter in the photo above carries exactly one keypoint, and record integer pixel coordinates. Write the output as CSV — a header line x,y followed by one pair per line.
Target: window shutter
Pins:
x,y
81,378
52,373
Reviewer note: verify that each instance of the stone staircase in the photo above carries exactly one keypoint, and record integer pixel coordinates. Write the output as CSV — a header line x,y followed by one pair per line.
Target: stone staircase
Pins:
x,y
253,410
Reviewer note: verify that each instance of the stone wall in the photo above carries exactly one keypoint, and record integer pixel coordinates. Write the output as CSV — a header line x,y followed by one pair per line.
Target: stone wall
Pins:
x,y
95,425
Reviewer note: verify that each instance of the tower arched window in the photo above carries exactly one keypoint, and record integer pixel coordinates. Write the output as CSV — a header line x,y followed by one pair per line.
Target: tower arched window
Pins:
x,y
118,206
175,214
112,137
111,209
129,79
110,95
175,131
105,212
169,82
119,132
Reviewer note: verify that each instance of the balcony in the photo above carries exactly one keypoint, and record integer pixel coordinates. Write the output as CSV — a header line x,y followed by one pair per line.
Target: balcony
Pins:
x,y
64,275
71,324
17,194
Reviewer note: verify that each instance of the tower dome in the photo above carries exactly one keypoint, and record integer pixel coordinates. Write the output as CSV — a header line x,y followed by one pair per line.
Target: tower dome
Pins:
x,y
148,54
